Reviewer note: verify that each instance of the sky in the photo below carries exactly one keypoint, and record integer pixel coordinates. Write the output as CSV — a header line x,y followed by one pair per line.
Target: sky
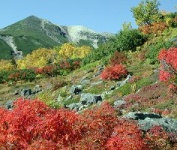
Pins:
x,y
98,15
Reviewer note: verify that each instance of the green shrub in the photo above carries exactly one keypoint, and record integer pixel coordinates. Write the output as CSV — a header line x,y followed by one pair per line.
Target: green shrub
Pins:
x,y
4,76
24,74
129,39
123,41
153,50
101,52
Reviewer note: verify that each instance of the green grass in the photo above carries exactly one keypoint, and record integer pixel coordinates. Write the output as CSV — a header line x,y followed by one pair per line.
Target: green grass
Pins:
x,y
5,50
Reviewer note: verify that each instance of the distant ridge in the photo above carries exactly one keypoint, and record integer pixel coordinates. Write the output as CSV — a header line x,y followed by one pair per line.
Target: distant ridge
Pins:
x,y
32,33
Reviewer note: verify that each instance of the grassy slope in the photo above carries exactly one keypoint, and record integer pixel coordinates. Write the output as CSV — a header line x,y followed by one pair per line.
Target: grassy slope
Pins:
x,y
5,50
147,87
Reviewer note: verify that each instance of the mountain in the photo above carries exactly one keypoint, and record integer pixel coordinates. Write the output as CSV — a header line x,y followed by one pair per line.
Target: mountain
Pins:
x,y
32,33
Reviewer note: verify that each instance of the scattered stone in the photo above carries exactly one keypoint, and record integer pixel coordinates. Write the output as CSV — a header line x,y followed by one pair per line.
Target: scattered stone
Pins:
x,y
121,83
9,104
112,87
59,98
17,92
85,82
99,70
119,103
37,89
69,97
96,83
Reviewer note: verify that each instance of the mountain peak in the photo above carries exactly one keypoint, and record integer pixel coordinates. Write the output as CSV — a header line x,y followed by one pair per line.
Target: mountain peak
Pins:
x,y
32,17
33,32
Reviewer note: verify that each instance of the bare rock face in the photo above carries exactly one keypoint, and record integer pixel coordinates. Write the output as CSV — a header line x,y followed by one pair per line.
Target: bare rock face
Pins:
x,y
10,41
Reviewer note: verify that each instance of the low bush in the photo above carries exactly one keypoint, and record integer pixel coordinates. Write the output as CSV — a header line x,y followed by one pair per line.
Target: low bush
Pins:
x,y
168,69
153,50
33,125
117,58
114,72
154,28
129,39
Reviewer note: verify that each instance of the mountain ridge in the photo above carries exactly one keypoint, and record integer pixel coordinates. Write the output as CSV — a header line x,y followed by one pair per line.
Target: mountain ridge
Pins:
x,y
32,33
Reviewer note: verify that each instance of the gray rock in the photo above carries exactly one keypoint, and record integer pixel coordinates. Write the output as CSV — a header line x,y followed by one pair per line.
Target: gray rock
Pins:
x,y
148,120
75,106
69,97
85,82
89,99
96,83
59,98
72,106
17,92
99,70
112,87
37,89
9,104
119,103
25,92
121,83
76,89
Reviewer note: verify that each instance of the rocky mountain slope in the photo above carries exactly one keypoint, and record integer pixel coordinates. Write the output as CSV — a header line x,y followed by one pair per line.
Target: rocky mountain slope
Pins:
x,y
33,32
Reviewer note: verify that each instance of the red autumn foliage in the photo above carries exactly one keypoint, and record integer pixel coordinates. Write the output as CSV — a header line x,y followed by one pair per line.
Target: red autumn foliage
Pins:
x,y
32,121
98,124
168,70
33,125
47,70
126,136
69,64
114,72
157,138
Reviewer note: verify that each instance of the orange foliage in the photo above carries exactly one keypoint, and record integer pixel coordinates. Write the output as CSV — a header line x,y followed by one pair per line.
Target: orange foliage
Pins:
x,y
154,28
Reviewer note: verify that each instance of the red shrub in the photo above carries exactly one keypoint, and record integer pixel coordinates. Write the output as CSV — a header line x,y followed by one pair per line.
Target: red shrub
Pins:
x,y
114,72
98,125
157,138
164,75
47,70
32,120
126,136
33,125
168,72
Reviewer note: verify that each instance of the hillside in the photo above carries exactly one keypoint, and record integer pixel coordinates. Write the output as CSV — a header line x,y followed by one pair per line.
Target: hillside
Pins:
x,y
32,33
121,95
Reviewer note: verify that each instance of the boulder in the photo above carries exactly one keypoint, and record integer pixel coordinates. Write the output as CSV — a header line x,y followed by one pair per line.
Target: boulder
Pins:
x,y
148,120
75,106
89,99
76,89
26,92
9,104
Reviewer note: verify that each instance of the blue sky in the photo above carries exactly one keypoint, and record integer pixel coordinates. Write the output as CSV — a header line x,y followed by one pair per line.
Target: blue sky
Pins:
x,y
98,15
